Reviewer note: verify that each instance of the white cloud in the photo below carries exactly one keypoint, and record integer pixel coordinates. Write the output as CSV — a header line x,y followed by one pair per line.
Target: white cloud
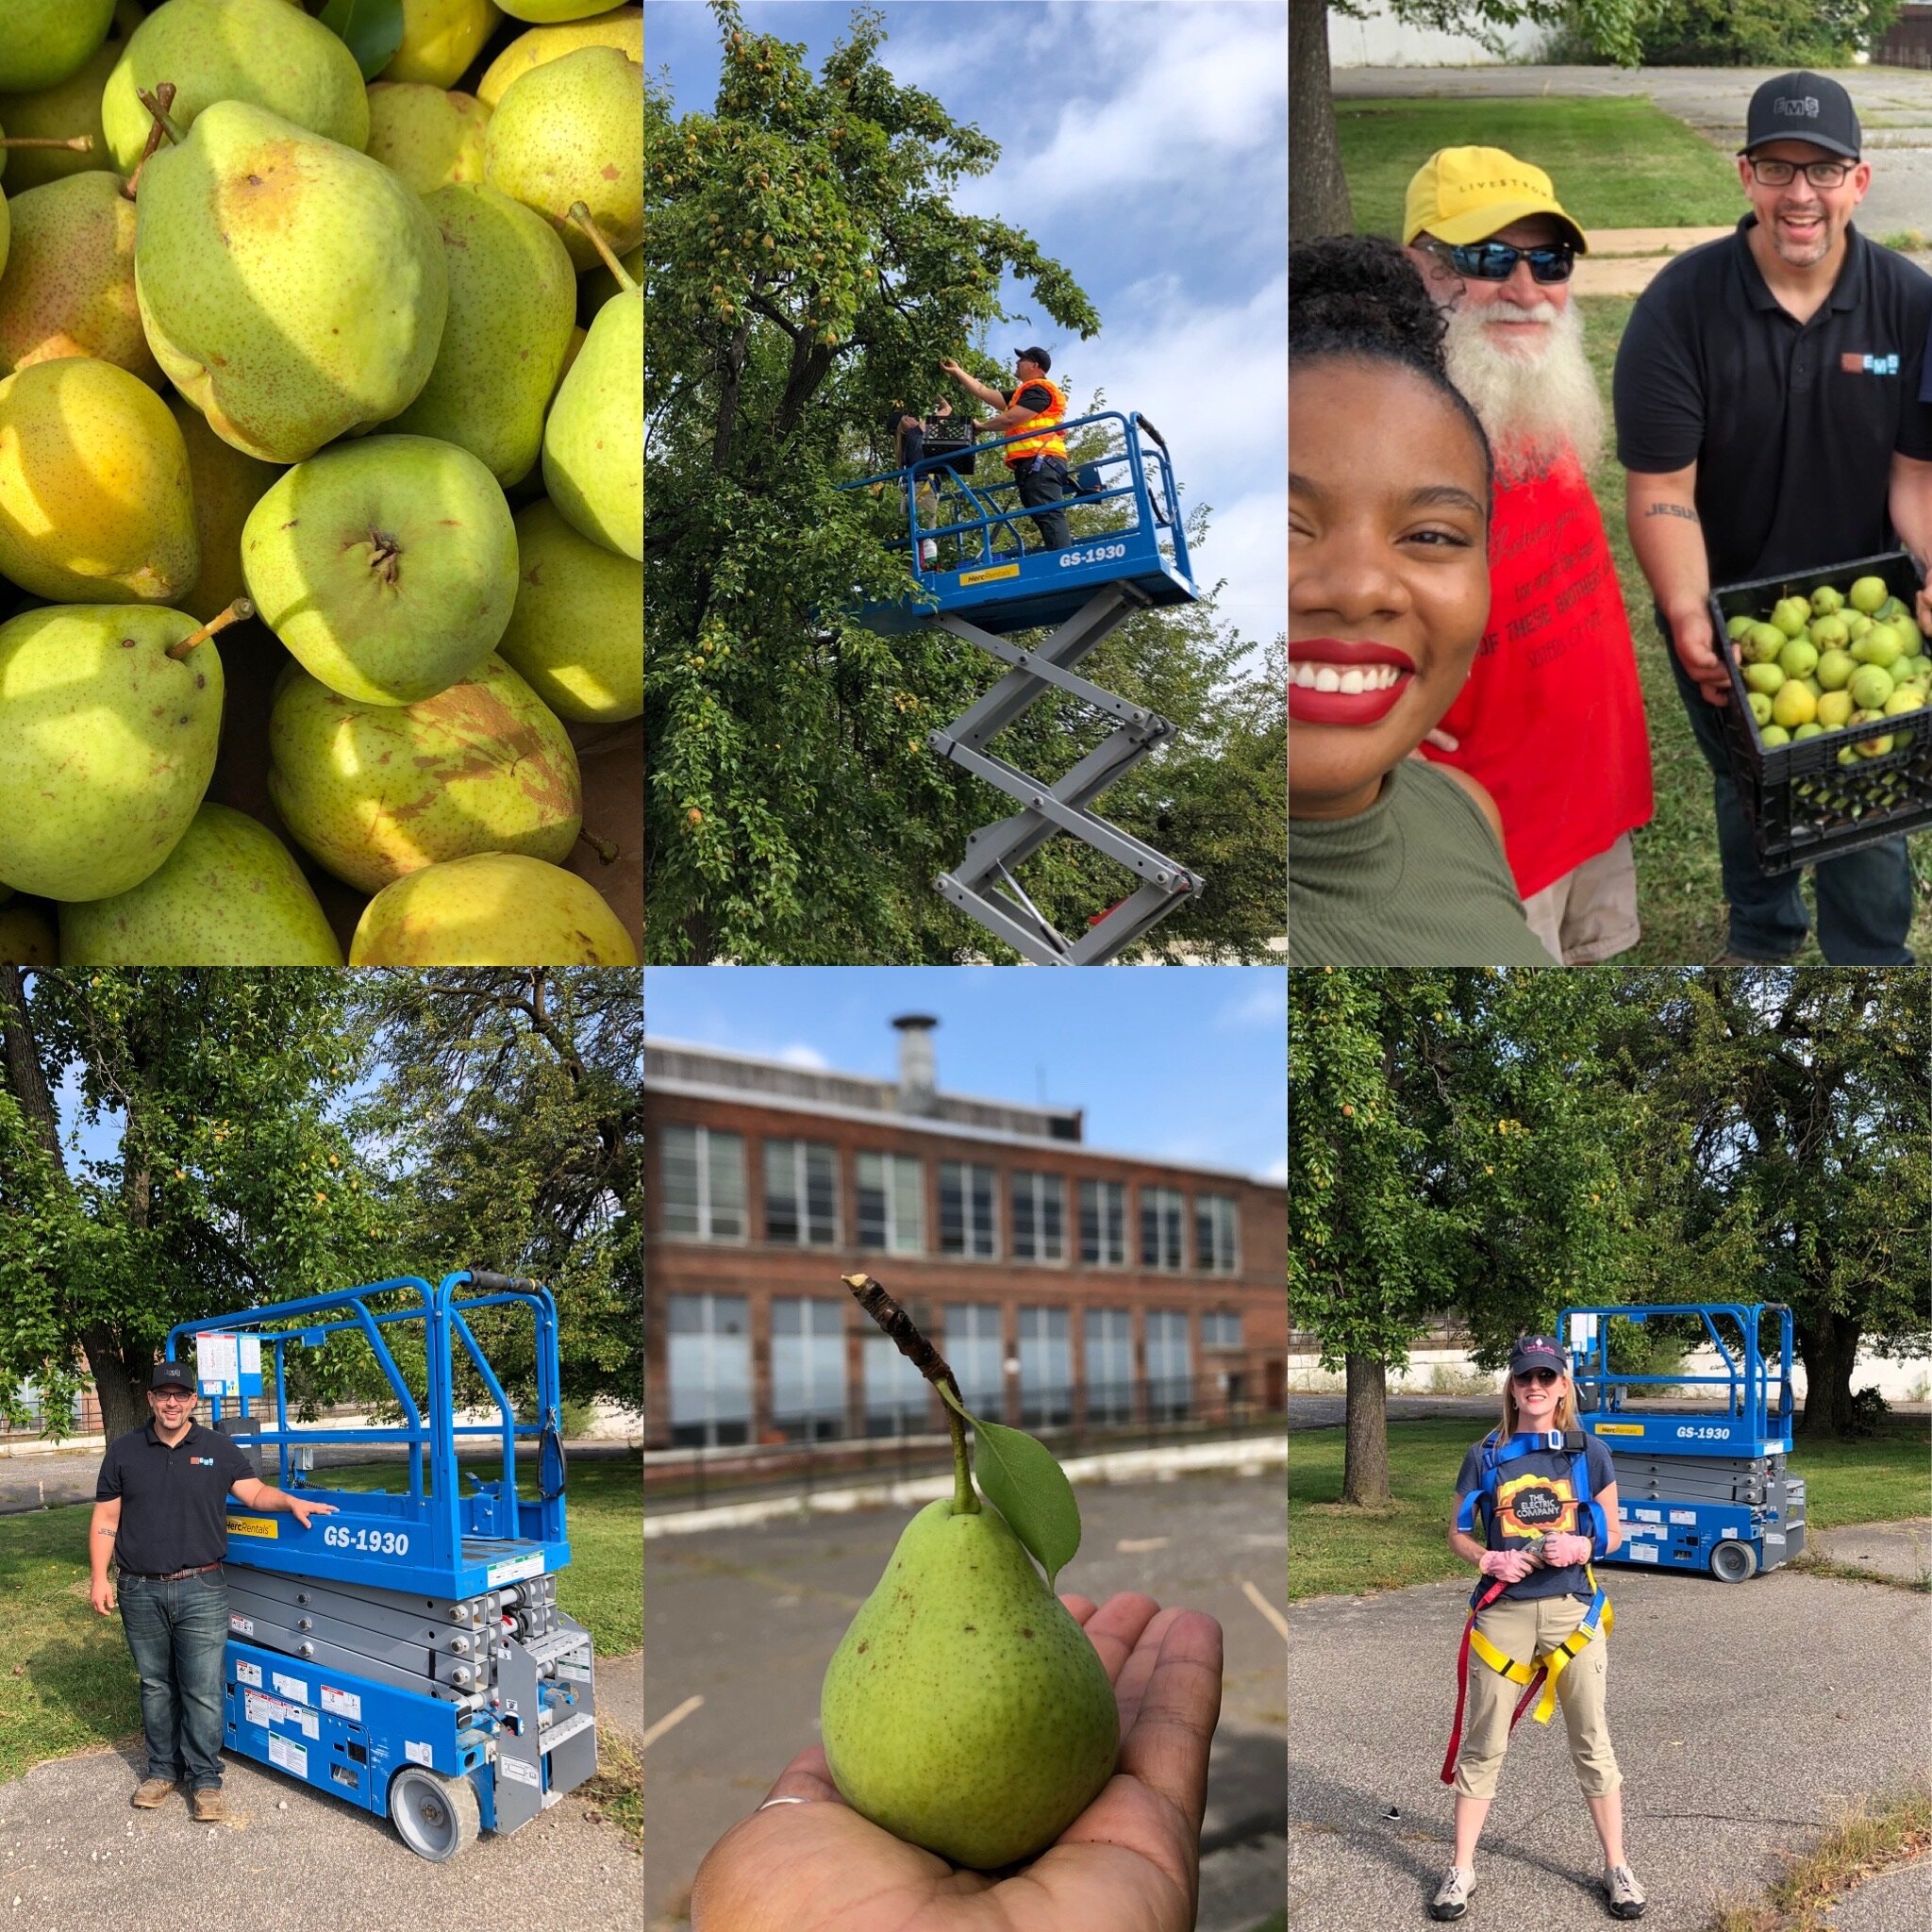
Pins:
x,y
1276,1171
1262,1002
799,1055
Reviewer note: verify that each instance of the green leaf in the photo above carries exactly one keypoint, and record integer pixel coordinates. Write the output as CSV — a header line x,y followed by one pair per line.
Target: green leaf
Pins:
x,y
1028,1488
371,29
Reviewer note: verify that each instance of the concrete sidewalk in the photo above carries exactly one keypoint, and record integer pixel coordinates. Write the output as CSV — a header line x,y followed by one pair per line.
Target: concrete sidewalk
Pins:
x,y
1902,1549
1742,1717
77,1854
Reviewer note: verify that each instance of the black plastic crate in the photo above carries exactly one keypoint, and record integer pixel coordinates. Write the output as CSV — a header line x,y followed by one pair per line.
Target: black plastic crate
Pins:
x,y
1801,804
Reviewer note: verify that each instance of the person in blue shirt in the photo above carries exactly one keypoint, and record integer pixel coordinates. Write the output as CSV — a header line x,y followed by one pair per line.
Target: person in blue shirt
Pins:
x,y
1538,1617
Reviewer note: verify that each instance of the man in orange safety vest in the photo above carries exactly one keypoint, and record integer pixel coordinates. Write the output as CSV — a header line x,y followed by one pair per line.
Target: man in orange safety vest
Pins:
x,y
1037,459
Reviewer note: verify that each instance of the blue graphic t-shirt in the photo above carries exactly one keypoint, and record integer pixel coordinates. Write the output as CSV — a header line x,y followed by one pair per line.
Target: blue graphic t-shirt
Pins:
x,y
1535,1497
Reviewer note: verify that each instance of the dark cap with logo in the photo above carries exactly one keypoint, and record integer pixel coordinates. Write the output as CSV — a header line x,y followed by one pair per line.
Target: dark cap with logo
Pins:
x,y
1803,107
1038,356
173,1376
1537,1352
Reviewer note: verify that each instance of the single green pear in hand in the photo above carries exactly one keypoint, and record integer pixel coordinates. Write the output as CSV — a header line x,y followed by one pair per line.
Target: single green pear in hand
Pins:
x,y
966,1711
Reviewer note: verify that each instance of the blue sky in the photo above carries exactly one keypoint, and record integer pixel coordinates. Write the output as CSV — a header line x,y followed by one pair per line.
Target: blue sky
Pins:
x,y
1180,1062
1146,146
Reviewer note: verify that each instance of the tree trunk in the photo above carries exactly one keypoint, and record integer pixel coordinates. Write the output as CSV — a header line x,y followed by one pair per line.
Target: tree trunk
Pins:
x,y
1365,1464
20,1068
1318,200
1829,1349
120,1380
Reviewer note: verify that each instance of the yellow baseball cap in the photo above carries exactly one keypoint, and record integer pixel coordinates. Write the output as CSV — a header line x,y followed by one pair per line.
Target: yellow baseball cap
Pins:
x,y
1463,195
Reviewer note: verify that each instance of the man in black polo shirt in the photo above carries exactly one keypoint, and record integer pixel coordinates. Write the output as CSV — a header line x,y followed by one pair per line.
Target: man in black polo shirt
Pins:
x,y
1768,413
160,1512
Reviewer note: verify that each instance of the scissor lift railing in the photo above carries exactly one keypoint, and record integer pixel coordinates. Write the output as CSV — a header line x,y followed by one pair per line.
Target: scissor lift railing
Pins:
x,y
988,578
1697,1489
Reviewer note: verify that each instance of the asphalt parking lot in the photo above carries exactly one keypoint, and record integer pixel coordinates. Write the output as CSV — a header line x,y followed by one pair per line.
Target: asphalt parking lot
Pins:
x,y
1742,1718
747,1619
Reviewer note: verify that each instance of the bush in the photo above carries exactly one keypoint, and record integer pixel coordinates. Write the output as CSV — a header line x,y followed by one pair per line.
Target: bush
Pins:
x,y
1742,33
1870,1411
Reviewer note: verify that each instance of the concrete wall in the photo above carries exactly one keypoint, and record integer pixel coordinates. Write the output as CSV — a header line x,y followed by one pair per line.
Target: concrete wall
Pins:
x,y
1381,40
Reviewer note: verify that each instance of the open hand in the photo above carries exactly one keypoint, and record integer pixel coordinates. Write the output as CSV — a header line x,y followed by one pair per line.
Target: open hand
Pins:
x,y
1130,1862
302,1510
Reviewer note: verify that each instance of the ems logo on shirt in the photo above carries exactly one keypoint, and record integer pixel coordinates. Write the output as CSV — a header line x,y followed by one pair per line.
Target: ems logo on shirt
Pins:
x,y
1855,364
1531,1506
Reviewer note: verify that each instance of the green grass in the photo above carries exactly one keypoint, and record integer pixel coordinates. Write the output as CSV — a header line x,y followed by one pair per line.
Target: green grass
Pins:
x,y
1332,1550
1679,891
67,1684
1616,163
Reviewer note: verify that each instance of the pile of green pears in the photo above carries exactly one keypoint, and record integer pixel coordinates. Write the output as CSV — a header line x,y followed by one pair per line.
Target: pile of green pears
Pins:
x,y
321,480
965,1710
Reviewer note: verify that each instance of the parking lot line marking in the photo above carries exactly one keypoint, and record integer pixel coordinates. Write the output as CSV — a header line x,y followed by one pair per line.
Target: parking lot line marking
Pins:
x,y
667,1722
1266,1608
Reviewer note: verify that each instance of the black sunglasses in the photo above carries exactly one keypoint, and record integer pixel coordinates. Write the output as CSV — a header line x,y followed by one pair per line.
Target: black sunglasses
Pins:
x,y
1543,1376
1495,261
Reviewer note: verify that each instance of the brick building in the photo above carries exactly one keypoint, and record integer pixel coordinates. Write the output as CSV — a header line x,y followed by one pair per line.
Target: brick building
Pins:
x,y
1062,1283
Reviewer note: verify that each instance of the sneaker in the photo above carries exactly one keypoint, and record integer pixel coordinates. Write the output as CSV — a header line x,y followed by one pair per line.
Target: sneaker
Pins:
x,y
152,1791
208,1806
1625,1899
1452,1896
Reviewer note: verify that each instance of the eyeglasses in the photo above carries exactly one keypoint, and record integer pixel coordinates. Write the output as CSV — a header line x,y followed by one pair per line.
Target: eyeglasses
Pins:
x,y
172,1396
1495,261
1541,1378
1820,174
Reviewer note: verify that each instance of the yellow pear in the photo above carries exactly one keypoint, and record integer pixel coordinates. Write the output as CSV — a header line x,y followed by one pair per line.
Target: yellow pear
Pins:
x,y
578,631
226,483
428,137
94,504
622,27
440,38
68,287
45,41
59,112
497,908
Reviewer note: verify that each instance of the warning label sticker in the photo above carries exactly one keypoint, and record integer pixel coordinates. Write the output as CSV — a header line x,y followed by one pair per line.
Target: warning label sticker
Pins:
x,y
246,1673
258,1710
518,1772
342,1703
415,1752
512,1569
246,1627
1642,1553
288,1754
292,1687
1688,1516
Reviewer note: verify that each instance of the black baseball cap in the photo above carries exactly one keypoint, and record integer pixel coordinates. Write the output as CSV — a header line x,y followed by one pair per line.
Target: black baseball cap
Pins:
x,y
1537,1352
173,1375
1803,107
1038,356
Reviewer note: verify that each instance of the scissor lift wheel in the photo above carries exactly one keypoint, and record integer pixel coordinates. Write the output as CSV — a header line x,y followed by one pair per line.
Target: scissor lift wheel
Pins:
x,y
1733,1562
436,1815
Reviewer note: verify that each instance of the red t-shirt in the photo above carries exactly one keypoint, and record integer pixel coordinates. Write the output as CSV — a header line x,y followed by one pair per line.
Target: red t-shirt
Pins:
x,y
1551,719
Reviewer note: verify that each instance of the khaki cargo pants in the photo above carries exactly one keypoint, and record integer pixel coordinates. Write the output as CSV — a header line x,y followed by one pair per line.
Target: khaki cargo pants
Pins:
x,y
1525,1628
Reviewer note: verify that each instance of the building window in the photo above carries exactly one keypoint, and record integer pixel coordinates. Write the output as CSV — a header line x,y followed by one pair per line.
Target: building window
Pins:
x,y
897,1396
1046,1368
1110,1338
891,1203
1104,1224
974,1350
1221,1331
969,1211
1170,1379
1216,1250
710,1370
801,1194
704,1183
1160,1227
809,1367
1039,1213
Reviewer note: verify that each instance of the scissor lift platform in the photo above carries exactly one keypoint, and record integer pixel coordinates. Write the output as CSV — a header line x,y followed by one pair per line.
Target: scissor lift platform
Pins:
x,y
983,584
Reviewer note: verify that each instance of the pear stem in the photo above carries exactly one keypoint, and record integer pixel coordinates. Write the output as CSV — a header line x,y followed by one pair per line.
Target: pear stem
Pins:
x,y
236,611
605,849
80,144
157,104
580,214
904,1336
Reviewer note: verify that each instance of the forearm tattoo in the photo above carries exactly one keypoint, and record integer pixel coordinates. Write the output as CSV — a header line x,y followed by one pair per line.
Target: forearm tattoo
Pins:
x,y
1671,509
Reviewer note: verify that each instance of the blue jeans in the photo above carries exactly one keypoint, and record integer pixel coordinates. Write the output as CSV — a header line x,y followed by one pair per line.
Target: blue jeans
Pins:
x,y
177,1632
1864,897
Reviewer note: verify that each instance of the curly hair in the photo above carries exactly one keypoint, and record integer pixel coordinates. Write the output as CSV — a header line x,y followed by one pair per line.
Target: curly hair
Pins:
x,y
1359,296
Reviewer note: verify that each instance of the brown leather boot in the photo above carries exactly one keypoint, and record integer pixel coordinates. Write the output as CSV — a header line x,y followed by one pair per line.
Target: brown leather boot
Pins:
x,y
152,1791
210,1806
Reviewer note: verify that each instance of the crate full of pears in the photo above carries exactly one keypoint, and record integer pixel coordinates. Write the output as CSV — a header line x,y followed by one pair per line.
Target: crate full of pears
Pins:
x,y
321,483
1827,671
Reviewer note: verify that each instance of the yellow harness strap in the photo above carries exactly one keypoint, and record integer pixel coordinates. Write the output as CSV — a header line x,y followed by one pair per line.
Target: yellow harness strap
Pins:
x,y
1552,1662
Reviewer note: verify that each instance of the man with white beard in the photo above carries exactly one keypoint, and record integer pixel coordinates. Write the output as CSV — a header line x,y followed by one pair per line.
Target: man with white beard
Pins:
x,y
1551,719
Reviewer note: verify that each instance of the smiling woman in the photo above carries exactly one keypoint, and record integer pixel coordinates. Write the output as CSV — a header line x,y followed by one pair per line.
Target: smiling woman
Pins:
x,y
1392,861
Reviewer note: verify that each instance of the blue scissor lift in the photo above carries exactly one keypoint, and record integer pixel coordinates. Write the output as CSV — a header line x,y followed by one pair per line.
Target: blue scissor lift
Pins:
x,y
406,1654
989,578
1698,1490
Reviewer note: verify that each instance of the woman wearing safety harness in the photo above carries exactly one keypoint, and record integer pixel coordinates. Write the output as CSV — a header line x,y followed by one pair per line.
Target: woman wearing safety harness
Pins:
x,y
1543,1497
